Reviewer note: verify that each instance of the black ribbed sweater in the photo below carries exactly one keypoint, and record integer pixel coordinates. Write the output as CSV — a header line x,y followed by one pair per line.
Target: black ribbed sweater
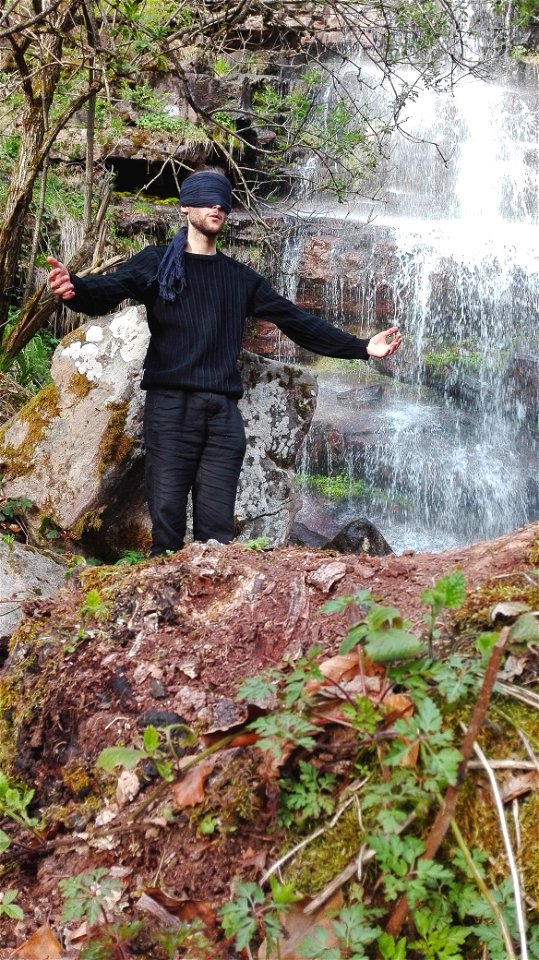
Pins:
x,y
196,340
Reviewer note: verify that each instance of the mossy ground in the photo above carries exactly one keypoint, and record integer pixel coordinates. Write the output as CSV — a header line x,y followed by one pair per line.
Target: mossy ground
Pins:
x,y
475,614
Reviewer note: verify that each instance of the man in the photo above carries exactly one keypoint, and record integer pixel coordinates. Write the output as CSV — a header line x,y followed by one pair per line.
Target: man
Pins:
x,y
197,301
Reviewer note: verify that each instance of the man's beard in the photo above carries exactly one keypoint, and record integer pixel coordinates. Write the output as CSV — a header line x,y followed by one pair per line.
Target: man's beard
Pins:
x,y
205,227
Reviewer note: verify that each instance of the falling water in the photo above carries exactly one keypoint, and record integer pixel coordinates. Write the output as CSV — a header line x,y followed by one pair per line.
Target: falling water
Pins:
x,y
454,238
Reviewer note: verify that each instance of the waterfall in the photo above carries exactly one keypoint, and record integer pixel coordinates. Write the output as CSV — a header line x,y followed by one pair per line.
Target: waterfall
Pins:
x,y
449,453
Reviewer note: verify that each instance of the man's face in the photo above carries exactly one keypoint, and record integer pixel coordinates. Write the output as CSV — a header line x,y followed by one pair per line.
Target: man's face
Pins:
x,y
207,220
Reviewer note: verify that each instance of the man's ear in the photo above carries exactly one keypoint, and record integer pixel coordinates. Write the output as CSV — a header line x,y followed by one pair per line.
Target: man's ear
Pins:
x,y
184,209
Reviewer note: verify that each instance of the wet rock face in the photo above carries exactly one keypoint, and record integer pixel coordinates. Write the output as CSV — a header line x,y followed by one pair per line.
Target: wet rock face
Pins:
x,y
523,388
76,450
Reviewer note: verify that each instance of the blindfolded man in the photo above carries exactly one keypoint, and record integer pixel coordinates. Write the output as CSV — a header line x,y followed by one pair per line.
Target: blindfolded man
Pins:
x,y
197,300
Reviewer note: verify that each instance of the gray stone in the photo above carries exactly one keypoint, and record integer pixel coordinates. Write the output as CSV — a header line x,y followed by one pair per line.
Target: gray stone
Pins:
x,y
77,452
25,574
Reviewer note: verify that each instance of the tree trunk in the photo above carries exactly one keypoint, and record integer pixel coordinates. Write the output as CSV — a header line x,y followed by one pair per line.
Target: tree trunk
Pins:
x,y
17,203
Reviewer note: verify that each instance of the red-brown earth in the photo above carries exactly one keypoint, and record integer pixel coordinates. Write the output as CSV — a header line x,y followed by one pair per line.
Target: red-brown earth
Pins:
x,y
178,635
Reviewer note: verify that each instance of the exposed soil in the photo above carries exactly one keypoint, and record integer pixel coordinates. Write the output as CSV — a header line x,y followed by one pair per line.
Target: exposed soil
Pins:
x,y
175,637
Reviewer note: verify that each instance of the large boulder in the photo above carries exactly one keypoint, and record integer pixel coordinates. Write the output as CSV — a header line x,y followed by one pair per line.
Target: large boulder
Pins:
x,y
76,449
25,574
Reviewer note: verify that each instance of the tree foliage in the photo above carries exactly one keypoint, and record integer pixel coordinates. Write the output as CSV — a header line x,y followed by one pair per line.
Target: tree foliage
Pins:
x,y
232,81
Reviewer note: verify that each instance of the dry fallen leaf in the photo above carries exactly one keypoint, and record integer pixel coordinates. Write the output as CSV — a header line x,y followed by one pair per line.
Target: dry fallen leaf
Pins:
x,y
517,785
183,908
189,791
297,925
341,667
42,945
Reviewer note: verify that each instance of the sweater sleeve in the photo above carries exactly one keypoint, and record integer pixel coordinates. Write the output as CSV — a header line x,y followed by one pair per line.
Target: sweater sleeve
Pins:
x,y
130,281
307,330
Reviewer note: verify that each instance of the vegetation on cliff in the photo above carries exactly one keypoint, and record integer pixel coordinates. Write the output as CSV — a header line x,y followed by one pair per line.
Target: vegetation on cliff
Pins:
x,y
175,84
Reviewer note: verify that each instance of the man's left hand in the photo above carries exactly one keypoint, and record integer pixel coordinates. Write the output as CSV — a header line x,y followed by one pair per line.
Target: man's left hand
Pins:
x,y
378,345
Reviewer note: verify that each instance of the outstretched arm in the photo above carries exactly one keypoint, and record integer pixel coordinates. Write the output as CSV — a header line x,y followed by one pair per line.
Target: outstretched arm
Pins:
x,y
378,345
97,295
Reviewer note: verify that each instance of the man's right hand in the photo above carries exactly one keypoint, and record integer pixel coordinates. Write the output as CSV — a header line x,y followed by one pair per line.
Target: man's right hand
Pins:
x,y
59,280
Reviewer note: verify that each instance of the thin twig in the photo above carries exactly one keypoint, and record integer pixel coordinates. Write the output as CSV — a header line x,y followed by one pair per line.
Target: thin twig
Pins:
x,y
505,765
518,693
529,750
508,850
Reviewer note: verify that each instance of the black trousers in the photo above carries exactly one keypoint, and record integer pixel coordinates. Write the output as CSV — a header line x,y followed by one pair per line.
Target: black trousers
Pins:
x,y
195,442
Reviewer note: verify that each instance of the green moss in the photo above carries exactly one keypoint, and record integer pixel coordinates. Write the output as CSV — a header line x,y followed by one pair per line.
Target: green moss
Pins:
x,y
115,444
444,358
341,487
74,336
76,779
474,616
24,688
89,521
529,818
80,385
321,861
38,413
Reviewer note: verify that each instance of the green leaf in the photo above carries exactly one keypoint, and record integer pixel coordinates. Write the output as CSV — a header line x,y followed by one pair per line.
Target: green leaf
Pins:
x,y
337,605
525,629
485,642
151,740
378,616
257,689
12,910
429,717
390,949
354,636
393,644
126,757
283,893
5,841
448,591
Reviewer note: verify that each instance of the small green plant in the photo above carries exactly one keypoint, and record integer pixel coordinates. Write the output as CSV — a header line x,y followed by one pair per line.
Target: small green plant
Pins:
x,y
159,746
382,631
353,929
76,639
8,908
11,506
93,606
131,557
86,895
189,938
14,803
449,592
306,797
250,914
91,896
258,544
